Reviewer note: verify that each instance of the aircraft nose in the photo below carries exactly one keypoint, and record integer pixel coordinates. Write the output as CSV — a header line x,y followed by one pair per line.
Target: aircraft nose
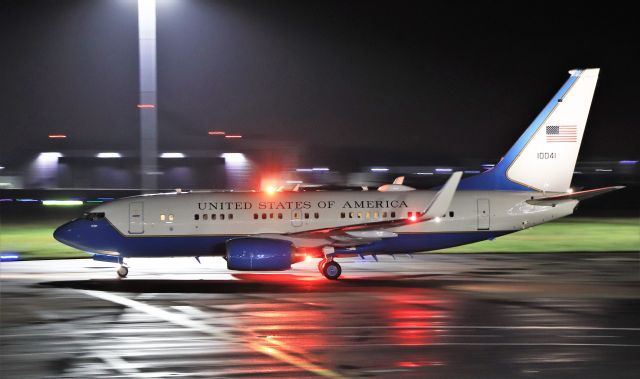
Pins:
x,y
64,233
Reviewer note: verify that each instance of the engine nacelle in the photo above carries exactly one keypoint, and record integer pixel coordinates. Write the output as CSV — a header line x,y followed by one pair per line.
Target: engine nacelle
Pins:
x,y
259,254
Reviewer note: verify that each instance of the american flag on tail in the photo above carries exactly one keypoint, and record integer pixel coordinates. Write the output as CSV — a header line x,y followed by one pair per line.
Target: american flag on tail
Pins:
x,y
562,133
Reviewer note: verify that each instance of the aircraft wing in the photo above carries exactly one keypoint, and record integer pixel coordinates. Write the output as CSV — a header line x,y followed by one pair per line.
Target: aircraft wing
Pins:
x,y
581,195
367,232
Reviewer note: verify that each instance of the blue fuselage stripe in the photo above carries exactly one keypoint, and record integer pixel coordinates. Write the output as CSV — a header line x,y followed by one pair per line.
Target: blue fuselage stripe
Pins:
x,y
101,237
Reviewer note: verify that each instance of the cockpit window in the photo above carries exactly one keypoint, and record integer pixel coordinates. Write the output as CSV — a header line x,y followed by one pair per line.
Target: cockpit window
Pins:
x,y
93,216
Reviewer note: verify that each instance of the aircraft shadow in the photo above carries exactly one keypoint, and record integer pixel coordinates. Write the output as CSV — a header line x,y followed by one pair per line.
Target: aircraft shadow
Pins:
x,y
252,283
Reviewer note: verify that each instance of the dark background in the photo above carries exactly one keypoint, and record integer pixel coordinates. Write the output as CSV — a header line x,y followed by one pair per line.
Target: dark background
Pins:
x,y
370,82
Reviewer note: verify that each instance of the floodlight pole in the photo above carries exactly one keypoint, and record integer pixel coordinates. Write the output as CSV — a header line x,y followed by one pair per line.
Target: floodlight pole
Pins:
x,y
148,106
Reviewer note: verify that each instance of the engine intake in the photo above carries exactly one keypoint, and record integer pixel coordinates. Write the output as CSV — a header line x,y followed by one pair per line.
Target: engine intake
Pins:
x,y
259,254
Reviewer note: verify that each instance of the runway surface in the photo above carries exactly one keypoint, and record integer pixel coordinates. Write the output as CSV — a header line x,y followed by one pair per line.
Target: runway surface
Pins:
x,y
459,316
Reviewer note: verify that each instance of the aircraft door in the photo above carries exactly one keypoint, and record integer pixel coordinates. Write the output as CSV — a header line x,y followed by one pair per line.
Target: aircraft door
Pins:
x,y
296,218
484,215
136,217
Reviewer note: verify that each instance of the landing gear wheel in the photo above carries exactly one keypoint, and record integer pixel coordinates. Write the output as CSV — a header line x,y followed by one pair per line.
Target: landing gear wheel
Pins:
x,y
123,271
331,270
321,264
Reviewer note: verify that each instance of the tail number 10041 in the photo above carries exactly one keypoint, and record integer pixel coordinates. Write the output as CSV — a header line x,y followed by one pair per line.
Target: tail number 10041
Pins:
x,y
546,155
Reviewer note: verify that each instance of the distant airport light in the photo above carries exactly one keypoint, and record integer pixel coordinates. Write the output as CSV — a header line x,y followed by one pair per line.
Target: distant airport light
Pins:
x,y
379,169
5,184
216,133
172,155
105,198
603,170
63,203
233,136
320,169
146,106
9,257
304,169
6,200
49,156
628,162
1,167
577,172
487,165
472,171
27,200
294,182
235,158
424,173
57,136
94,201
108,155
443,170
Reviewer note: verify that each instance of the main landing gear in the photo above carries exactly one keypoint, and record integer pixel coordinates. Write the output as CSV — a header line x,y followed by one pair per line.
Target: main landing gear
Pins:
x,y
329,268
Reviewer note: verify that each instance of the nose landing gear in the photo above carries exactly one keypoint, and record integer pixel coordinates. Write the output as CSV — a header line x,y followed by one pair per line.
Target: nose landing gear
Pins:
x,y
122,272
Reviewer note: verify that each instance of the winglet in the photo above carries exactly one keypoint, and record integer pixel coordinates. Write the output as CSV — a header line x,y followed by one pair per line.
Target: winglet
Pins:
x,y
441,202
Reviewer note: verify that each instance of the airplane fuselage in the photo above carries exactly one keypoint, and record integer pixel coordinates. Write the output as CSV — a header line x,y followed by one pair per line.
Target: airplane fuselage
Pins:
x,y
199,223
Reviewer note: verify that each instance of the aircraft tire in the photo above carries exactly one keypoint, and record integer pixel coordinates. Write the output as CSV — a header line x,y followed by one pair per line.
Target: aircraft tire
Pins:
x,y
331,270
122,272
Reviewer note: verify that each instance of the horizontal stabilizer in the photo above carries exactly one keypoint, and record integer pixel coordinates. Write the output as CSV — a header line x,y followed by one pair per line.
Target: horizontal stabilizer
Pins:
x,y
581,195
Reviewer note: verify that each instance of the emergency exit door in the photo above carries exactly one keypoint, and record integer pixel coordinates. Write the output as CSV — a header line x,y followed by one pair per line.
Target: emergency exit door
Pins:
x,y
484,214
136,218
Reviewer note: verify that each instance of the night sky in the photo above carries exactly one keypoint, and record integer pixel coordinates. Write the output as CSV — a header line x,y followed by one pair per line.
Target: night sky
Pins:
x,y
393,80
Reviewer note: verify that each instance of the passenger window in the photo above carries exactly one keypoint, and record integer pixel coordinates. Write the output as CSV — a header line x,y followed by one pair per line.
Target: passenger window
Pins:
x,y
359,214
451,214
409,214
375,214
205,216
350,214
280,216
393,214
161,217
306,215
264,216
221,216
196,217
255,216
170,217
230,216
270,215
316,215
342,214
296,215
213,216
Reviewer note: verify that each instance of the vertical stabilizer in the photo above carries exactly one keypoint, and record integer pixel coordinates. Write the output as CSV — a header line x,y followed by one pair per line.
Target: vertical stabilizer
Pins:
x,y
544,157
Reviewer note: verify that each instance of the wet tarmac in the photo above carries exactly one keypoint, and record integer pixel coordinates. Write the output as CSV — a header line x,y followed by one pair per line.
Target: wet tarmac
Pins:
x,y
458,316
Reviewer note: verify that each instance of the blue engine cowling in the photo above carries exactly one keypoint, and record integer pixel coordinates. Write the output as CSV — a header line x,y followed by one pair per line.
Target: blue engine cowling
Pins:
x,y
256,254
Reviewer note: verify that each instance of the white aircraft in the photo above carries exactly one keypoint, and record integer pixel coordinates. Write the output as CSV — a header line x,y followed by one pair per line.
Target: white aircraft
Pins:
x,y
273,230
